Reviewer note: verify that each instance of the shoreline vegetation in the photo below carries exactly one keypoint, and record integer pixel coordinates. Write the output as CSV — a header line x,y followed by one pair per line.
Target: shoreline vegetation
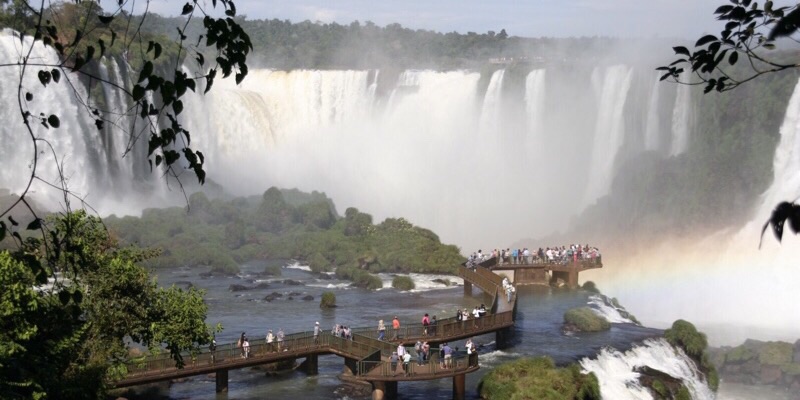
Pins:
x,y
285,224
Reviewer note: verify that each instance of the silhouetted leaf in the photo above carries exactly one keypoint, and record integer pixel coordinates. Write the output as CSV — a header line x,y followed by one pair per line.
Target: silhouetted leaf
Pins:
x,y
64,297
156,50
733,58
705,40
681,50
77,296
2,230
187,8
56,75
177,106
35,224
53,121
99,124
138,92
28,96
105,19
44,77
13,221
147,70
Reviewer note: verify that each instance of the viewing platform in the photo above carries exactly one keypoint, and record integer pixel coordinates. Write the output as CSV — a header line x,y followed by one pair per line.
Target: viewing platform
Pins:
x,y
367,358
530,270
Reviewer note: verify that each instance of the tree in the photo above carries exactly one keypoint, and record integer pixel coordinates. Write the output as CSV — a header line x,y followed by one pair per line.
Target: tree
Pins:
x,y
71,296
66,336
752,33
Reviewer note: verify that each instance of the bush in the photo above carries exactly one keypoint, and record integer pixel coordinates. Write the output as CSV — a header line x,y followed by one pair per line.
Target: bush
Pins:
x,y
402,282
328,300
684,335
319,264
359,277
586,320
538,378
273,270
589,286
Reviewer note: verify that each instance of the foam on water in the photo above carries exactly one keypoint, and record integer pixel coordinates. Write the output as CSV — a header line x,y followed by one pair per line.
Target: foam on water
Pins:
x,y
616,371
423,282
603,307
297,265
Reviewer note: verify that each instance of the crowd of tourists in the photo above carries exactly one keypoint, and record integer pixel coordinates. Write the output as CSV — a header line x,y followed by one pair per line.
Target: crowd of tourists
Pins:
x,y
551,255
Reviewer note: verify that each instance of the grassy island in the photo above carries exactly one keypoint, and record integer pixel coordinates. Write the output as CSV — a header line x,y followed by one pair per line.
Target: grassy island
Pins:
x,y
285,224
538,378
585,320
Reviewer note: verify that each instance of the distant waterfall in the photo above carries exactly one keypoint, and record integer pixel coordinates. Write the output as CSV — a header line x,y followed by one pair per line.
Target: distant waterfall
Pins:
x,y
616,371
535,96
612,88
651,133
786,164
490,113
72,140
681,118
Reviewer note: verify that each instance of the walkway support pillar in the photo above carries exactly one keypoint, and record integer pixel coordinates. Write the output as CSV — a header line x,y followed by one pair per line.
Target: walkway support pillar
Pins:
x,y
378,390
467,288
459,392
311,364
573,277
222,380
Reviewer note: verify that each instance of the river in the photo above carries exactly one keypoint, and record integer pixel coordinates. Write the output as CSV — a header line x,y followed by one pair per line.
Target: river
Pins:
x,y
537,330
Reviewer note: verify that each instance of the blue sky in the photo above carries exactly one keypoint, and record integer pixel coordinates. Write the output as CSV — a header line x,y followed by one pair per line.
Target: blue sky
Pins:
x,y
533,18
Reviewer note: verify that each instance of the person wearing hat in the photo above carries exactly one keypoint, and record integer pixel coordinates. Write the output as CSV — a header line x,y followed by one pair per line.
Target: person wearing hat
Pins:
x,y
316,333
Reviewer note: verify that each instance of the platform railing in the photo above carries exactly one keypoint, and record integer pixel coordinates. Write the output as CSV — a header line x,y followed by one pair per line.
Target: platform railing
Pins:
x,y
433,366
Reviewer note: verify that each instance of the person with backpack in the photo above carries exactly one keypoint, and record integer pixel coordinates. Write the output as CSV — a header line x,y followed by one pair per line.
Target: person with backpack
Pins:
x,y
425,323
406,361
213,348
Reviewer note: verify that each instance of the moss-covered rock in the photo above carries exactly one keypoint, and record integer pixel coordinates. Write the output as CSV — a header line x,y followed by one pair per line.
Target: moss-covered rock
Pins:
x,y
683,334
740,354
401,282
586,320
590,286
775,353
538,378
328,300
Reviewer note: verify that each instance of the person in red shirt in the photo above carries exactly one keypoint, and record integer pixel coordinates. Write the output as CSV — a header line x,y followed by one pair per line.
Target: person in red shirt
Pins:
x,y
425,322
395,326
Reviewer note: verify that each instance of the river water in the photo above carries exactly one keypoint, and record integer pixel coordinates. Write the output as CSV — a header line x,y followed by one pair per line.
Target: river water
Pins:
x,y
537,330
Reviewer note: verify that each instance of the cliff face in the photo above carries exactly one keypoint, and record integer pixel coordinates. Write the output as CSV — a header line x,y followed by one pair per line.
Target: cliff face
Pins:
x,y
756,362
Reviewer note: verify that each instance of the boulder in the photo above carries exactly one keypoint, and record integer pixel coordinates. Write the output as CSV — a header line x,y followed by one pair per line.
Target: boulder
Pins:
x,y
238,288
796,356
770,374
272,296
292,282
445,282
261,285
308,297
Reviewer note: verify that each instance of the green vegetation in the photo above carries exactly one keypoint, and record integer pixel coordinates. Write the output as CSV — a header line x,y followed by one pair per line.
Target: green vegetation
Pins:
x,y
328,300
740,354
538,378
224,233
590,286
776,353
401,282
73,339
683,334
586,320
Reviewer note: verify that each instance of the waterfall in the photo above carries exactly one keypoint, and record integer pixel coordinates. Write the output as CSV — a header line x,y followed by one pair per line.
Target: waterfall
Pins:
x,y
681,119
612,90
616,371
651,133
535,95
69,141
492,104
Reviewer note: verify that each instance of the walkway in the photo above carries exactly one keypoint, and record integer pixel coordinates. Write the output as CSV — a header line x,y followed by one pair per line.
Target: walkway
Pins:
x,y
367,357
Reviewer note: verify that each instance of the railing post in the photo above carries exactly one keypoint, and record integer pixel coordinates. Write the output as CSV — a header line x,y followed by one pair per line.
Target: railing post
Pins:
x,y
222,380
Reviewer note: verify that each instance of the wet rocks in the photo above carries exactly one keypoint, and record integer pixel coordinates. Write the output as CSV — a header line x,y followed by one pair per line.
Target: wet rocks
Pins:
x,y
273,296
445,282
292,282
308,298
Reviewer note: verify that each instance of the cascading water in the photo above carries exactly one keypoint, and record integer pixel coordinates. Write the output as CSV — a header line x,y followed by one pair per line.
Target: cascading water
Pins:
x,y
535,96
651,134
611,87
616,371
681,119
492,103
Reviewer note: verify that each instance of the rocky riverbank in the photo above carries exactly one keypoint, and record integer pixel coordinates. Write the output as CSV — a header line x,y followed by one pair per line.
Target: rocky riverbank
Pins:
x,y
756,362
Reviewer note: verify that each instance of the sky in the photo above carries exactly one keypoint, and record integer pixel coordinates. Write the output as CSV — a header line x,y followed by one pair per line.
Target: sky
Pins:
x,y
532,18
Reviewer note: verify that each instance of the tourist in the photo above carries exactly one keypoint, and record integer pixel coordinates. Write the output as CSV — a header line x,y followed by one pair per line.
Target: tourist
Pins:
x,y
347,333
270,339
426,351
448,356
420,354
406,361
509,292
246,348
280,340
441,358
526,254
432,328
213,348
316,333
514,256
240,344
482,310
479,257
396,327
401,350
476,313
425,323
469,345
393,360
381,330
